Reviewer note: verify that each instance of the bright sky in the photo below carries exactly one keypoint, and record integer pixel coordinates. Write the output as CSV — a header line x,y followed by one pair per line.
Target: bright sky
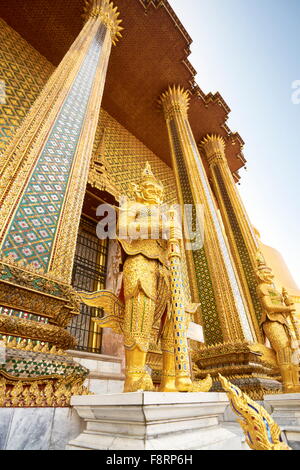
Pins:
x,y
249,51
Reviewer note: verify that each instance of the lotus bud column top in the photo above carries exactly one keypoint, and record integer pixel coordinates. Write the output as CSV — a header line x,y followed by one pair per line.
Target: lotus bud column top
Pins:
x,y
107,13
214,147
174,100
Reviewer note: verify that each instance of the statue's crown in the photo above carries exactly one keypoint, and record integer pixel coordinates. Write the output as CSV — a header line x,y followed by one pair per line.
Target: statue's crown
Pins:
x,y
147,175
261,262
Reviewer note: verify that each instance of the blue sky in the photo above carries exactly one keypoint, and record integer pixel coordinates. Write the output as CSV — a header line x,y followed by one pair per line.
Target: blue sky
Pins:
x,y
249,51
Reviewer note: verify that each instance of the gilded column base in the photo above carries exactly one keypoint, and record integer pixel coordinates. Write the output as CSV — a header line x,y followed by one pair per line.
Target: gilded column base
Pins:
x,y
251,367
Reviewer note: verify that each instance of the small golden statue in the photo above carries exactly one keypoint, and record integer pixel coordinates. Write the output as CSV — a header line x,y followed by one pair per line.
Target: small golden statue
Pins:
x,y
261,431
277,324
153,294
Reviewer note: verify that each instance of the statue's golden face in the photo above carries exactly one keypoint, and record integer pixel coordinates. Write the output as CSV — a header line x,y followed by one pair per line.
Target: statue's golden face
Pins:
x,y
151,193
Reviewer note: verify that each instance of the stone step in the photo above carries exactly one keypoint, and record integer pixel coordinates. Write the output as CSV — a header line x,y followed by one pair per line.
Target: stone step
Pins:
x,y
105,375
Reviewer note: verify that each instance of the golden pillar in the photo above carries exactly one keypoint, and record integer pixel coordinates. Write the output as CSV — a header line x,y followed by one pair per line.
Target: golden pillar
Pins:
x,y
225,317
239,231
44,176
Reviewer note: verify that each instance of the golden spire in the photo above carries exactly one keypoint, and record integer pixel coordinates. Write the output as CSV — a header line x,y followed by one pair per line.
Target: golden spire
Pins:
x,y
108,14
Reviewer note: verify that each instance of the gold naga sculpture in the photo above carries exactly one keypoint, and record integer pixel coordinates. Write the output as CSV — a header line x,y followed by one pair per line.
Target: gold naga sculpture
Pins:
x,y
261,431
279,326
153,294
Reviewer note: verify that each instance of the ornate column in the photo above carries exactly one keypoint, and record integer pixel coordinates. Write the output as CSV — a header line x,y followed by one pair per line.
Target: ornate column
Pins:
x,y
42,186
239,231
224,311
46,166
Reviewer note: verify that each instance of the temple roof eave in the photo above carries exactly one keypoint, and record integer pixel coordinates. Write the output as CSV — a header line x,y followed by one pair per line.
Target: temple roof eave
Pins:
x,y
134,82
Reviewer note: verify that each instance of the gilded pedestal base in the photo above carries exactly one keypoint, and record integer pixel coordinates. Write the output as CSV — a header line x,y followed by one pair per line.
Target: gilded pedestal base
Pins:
x,y
35,309
252,368
37,379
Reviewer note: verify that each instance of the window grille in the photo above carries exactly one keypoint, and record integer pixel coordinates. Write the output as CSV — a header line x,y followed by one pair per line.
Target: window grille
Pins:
x,y
89,274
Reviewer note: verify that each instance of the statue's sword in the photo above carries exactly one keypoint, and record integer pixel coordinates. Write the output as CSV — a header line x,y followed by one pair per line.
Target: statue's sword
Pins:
x,y
181,351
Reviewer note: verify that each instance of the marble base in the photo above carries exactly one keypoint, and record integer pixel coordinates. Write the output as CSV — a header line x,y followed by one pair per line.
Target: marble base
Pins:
x,y
155,421
286,412
38,428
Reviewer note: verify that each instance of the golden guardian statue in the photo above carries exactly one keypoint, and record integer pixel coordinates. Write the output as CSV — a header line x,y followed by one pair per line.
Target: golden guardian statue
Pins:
x,y
152,294
278,326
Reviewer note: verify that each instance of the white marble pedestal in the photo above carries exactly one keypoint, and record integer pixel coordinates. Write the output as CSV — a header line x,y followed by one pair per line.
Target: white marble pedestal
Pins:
x,y
155,421
286,412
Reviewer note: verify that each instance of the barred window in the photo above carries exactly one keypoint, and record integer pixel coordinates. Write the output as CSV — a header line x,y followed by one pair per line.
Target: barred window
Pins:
x,y
89,274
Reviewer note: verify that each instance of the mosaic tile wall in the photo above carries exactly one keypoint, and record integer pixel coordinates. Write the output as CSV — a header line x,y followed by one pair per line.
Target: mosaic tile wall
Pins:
x,y
23,73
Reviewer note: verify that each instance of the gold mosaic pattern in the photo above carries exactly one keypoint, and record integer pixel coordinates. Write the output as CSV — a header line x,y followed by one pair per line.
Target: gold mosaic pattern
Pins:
x,y
24,71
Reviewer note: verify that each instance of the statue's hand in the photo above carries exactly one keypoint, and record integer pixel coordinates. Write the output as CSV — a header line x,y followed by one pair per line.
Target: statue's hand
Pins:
x,y
289,310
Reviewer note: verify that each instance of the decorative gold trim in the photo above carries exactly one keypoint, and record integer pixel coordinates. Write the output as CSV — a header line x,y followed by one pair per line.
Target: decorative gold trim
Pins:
x,y
19,327
214,147
50,391
23,288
